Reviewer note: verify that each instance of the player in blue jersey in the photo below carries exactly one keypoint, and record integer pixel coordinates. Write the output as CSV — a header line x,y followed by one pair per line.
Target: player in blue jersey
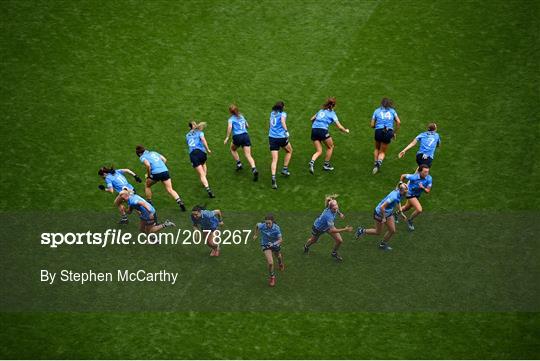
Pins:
x,y
325,224
157,171
383,122
208,222
238,126
419,183
198,148
429,141
115,181
147,212
271,240
320,134
278,137
383,215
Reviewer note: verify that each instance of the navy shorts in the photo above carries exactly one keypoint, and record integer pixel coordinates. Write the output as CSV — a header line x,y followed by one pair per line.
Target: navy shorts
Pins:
x,y
316,232
377,217
150,222
421,159
384,135
273,248
160,177
241,140
197,157
319,134
276,143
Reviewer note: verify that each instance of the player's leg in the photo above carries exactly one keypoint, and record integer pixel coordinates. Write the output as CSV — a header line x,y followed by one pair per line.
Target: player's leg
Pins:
x,y
247,153
273,167
376,230
201,171
210,243
279,257
415,203
147,191
123,215
376,151
329,143
311,240
287,159
270,264
236,156
390,230
318,151
169,188
338,241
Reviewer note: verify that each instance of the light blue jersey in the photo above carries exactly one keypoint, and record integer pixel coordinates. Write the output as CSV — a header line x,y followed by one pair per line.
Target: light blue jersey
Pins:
x,y
325,220
134,200
324,118
276,127
157,165
269,235
393,198
414,184
384,118
194,140
428,143
208,221
117,181
239,124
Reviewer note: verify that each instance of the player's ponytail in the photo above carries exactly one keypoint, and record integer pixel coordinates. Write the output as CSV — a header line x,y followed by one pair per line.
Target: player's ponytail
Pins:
x,y
278,107
330,197
198,126
233,109
329,104
387,103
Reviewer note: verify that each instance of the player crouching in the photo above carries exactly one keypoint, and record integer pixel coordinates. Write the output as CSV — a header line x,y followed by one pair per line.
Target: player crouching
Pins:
x,y
147,213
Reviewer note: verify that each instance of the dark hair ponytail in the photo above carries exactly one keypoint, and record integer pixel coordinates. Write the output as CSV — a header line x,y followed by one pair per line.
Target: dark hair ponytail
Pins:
x,y
329,104
278,107
387,103
104,170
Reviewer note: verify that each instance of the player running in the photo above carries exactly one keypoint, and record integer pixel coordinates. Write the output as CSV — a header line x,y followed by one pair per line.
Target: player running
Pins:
x,y
115,181
198,148
429,142
383,121
157,171
208,222
238,125
320,133
147,213
325,224
271,241
419,182
278,137
383,215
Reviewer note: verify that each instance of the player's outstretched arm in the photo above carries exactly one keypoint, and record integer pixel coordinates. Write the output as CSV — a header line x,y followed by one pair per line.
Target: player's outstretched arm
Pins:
x,y
341,127
256,231
411,144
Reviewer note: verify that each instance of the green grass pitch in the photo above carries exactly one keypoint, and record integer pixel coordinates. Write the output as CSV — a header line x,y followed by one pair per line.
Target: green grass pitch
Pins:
x,y
84,82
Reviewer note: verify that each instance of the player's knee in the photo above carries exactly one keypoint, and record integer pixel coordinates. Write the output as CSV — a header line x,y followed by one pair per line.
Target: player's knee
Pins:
x,y
419,209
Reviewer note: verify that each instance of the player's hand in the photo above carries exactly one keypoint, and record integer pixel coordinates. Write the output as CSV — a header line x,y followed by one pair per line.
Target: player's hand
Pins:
x,y
394,136
404,217
220,223
341,215
226,140
287,134
101,187
401,154
255,236
346,131
348,229
137,178
383,220
209,151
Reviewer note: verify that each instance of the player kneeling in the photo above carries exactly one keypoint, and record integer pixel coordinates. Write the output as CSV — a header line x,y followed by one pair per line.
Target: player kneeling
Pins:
x,y
271,245
208,222
325,224
147,213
